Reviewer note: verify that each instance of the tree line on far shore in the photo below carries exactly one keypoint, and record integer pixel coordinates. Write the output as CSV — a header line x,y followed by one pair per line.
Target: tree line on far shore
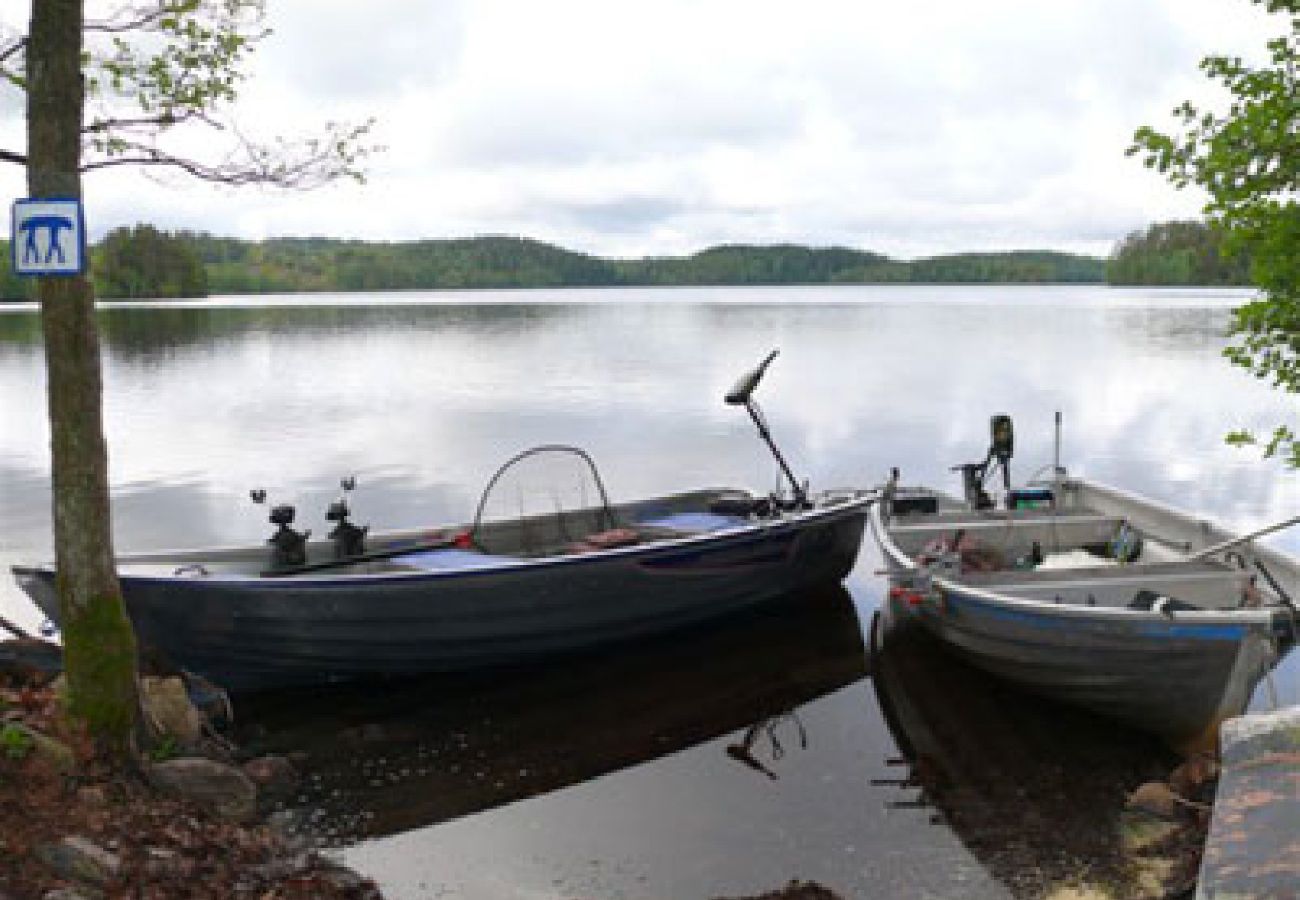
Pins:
x,y
145,262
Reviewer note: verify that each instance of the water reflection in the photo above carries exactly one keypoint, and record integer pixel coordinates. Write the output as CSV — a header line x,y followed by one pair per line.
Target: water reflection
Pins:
x,y
399,756
423,395
1033,789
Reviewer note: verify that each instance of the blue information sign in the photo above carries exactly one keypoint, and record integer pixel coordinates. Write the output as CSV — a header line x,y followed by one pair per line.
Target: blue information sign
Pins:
x,y
48,237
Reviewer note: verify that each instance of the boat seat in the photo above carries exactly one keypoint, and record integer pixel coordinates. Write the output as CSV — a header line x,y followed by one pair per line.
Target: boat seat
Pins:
x,y
929,527
695,522
1012,534
605,540
451,558
1203,585
1135,572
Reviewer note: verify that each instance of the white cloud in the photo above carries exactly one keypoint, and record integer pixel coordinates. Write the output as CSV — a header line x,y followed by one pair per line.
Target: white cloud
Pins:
x,y
639,129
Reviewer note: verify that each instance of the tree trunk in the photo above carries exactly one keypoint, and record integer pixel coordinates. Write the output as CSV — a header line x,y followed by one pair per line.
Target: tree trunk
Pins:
x,y
98,642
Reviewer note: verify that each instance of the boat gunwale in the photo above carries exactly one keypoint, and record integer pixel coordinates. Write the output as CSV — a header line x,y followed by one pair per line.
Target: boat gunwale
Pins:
x,y
756,530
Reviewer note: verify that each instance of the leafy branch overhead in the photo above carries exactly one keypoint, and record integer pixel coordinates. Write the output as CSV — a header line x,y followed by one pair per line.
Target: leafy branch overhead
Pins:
x,y
1248,161
150,66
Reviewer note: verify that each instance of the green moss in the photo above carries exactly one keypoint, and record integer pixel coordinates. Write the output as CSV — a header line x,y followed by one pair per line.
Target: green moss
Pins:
x,y
99,654
15,743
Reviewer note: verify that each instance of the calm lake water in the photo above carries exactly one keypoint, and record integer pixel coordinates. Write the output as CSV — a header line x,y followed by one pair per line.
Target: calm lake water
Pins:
x,y
720,763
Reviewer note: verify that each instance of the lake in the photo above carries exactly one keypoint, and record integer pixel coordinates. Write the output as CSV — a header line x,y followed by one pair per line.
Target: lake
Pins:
x,y
724,762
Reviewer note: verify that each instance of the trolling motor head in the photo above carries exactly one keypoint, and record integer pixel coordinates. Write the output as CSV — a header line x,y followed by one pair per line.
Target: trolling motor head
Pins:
x,y
288,547
741,394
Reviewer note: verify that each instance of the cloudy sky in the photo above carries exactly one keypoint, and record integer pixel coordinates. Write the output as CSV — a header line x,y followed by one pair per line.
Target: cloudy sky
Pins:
x,y
632,128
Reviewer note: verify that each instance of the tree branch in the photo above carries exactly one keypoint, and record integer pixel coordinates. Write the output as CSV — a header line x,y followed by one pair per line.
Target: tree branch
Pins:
x,y
300,165
164,119
147,16
120,27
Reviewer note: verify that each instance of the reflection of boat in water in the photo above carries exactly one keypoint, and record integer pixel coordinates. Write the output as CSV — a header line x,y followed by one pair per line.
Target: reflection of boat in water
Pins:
x,y
1032,787
416,753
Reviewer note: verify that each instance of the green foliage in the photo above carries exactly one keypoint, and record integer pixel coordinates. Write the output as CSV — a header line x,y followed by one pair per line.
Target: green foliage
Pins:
x,y
1176,253
747,264
12,287
145,262
152,65
167,747
15,743
1027,266
1248,160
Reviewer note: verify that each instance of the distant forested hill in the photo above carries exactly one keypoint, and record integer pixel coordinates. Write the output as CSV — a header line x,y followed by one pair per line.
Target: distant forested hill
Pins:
x,y
233,266
321,264
1176,253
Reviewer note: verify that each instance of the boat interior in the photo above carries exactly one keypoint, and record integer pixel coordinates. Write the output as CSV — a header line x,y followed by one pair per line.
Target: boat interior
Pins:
x,y
484,544
1073,556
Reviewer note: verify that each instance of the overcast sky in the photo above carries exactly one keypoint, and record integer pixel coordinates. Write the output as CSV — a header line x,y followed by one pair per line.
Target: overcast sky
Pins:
x,y
632,128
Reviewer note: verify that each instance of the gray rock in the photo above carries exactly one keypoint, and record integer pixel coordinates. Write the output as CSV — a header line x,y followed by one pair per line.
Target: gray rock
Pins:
x,y
168,709
1156,798
283,867
1140,832
216,786
1248,737
79,859
273,775
163,862
67,893
293,826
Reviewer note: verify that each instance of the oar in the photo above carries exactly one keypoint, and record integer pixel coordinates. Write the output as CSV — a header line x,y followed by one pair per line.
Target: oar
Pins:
x,y
387,553
1232,542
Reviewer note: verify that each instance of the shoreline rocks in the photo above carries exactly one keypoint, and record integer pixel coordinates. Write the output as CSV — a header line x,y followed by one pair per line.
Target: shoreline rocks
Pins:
x,y
181,827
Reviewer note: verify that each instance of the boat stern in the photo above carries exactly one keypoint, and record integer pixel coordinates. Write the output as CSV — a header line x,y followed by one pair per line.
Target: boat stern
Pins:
x,y
38,583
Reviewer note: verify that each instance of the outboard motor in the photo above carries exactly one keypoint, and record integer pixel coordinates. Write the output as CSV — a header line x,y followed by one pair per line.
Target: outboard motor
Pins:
x,y
288,547
349,539
973,475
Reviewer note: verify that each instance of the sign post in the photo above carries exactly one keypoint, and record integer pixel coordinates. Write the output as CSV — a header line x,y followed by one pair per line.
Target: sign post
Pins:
x,y
48,237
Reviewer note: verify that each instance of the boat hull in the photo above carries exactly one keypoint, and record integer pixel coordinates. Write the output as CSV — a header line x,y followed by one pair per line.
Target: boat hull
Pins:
x,y
255,633
1177,681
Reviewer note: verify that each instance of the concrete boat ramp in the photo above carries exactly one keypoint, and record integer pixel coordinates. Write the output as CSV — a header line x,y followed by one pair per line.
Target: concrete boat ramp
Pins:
x,y
1253,847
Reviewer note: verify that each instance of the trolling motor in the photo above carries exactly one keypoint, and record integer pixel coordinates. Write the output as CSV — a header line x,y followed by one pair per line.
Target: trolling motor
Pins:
x,y
349,539
741,395
288,547
973,475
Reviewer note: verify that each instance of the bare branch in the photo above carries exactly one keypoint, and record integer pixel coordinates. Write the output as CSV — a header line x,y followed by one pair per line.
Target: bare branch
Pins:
x,y
121,25
149,15
301,165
